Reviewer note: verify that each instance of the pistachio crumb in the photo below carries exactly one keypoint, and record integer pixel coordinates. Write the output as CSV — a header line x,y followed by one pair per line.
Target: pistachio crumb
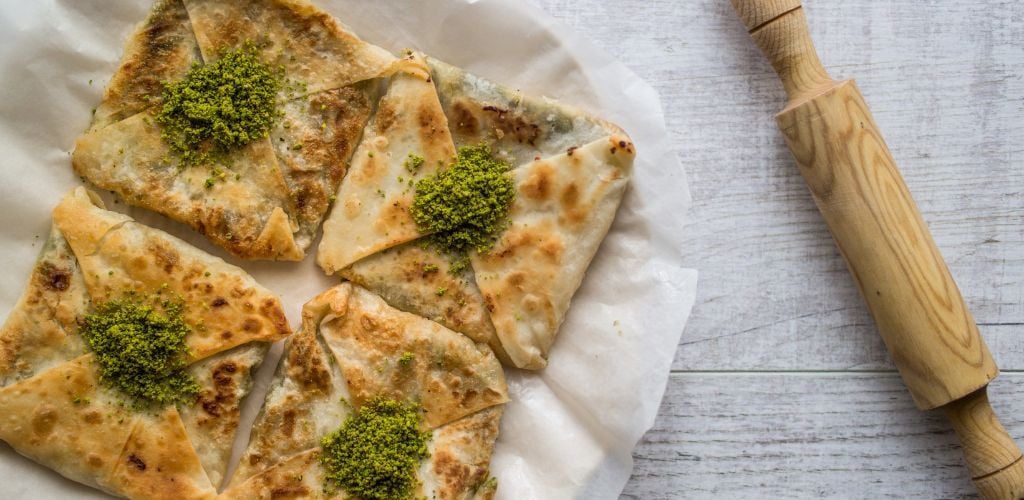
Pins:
x,y
375,453
413,163
140,347
465,205
223,105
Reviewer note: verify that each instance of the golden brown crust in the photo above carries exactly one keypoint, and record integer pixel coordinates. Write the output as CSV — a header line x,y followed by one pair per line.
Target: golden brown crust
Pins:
x,y
64,420
42,329
563,209
244,204
541,259
518,128
276,240
416,279
309,43
225,306
158,462
88,229
364,338
460,457
302,406
237,204
458,467
372,210
163,48
314,141
212,420
449,375
298,476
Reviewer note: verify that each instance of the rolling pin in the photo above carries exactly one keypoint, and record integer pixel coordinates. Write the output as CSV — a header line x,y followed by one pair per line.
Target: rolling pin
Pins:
x,y
920,313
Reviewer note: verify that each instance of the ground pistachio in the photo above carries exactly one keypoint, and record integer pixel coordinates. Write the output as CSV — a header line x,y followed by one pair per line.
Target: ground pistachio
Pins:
x,y
220,106
139,344
375,453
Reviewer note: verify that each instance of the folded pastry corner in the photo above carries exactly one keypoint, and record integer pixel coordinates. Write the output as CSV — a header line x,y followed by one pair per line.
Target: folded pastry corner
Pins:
x,y
63,403
258,182
354,351
570,171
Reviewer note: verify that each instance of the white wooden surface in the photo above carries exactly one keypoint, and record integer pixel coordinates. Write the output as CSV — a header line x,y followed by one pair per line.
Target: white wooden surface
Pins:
x,y
781,388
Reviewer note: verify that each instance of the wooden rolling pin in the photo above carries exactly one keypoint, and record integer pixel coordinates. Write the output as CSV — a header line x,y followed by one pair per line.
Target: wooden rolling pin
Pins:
x,y
876,224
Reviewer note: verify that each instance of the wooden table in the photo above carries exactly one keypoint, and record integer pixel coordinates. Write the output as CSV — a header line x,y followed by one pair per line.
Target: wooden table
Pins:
x,y
781,387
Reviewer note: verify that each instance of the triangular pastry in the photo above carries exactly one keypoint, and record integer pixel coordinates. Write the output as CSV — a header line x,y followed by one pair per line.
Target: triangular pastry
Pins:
x,y
353,350
406,140
57,408
563,208
262,198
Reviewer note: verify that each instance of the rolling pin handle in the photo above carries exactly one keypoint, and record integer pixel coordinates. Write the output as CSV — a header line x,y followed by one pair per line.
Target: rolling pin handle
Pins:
x,y
854,181
780,29
995,461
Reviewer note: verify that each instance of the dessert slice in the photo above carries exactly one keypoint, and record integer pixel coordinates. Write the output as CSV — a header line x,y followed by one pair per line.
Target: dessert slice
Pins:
x,y
236,118
125,363
373,402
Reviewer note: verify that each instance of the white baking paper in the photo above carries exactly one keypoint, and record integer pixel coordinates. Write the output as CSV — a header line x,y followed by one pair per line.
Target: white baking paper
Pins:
x,y
570,429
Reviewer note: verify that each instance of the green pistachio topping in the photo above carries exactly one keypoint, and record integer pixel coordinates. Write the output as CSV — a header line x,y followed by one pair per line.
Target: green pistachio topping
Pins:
x,y
465,205
406,358
376,452
141,350
413,163
223,105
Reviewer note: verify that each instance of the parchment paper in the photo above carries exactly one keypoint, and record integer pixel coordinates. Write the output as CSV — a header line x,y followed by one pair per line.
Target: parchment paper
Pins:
x,y
570,429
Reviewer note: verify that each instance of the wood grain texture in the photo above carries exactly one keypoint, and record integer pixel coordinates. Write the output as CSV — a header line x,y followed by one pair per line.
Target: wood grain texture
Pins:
x,y
754,14
893,260
805,435
872,216
780,30
992,456
946,86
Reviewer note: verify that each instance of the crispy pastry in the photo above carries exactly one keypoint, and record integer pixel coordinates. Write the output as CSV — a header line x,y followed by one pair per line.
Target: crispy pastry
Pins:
x,y
563,208
54,408
372,209
571,171
270,195
350,351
